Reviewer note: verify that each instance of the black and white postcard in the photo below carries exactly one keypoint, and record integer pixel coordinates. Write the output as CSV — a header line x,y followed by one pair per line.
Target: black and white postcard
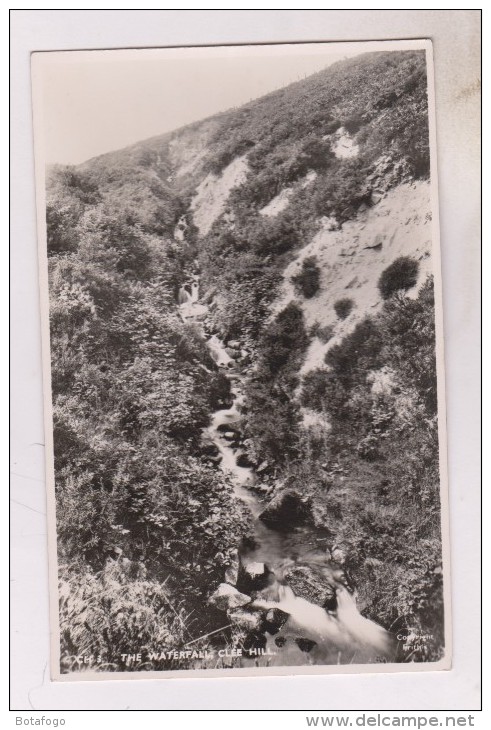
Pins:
x,y
243,359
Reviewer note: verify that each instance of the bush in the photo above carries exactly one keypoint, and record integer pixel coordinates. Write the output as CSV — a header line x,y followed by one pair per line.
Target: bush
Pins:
x,y
359,352
307,281
324,334
402,274
343,307
284,341
323,392
316,154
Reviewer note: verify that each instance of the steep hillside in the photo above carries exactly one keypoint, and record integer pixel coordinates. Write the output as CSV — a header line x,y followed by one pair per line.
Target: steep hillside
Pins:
x,y
304,220
351,260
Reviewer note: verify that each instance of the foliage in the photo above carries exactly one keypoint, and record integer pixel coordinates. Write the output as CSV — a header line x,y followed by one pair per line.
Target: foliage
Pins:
x,y
324,334
287,136
272,415
379,395
133,387
307,281
402,274
117,611
343,307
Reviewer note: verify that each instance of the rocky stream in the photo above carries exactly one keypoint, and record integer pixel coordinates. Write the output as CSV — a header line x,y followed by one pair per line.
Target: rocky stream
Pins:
x,y
284,589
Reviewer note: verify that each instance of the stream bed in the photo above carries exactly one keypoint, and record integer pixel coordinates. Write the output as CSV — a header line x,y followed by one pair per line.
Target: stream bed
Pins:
x,y
300,631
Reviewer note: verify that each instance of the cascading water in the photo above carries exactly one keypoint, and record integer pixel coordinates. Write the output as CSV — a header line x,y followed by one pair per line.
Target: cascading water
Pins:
x,y
183,296
195,291
338,636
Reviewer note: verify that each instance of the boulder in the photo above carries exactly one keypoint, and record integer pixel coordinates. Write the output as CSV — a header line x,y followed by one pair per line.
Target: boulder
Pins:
x,y
214,459
305,645
227,428
311,585
225,403
244,461
227,597
275,619
234,344
254,577
254,642
286,510
210,449
248,620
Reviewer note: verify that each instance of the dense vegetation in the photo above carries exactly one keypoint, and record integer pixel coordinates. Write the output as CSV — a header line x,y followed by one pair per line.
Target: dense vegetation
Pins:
x,y
273,413
382,503
133,385
132,388
379,96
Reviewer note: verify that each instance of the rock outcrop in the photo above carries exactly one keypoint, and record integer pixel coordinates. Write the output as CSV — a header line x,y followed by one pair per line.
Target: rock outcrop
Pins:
x,y
286,510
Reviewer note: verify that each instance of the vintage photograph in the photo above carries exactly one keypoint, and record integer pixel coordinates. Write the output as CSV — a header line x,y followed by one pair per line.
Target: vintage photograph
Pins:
x,y
243,354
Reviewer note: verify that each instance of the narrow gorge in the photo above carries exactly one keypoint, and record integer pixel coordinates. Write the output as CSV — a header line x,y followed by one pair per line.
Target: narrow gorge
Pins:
x,y
244,384
280,627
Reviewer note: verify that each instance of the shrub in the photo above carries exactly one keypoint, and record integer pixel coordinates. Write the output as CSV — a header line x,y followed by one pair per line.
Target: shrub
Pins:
x,y
357,353
316,154
402,274
353,123
284,341
307,281
322,391
324,334
343,307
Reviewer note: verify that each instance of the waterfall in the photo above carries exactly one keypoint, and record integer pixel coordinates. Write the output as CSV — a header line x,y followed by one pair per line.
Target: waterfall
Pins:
x,y
218,352
365,632
194,291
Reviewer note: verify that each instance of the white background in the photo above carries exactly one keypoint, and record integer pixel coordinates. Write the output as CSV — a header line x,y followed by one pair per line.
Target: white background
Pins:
x,y
455,34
